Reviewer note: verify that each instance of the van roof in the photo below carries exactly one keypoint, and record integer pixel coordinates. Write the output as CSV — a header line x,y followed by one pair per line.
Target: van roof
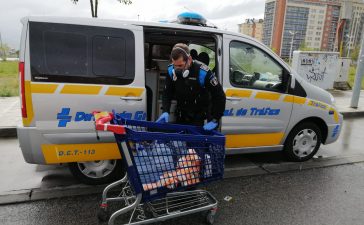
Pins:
x,y
113,22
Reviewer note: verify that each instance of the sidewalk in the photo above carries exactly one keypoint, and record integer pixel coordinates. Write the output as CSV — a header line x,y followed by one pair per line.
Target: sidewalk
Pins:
x,y
343,100
10,113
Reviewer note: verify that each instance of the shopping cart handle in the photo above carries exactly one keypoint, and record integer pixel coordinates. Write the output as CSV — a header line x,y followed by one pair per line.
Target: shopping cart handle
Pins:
x,y
102,120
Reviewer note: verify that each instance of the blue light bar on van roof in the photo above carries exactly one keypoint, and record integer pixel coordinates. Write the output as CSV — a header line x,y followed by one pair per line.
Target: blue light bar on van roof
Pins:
x,y
191,18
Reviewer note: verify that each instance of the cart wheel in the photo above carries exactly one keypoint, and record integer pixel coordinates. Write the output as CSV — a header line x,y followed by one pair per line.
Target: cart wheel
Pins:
x,y
210,216
103,214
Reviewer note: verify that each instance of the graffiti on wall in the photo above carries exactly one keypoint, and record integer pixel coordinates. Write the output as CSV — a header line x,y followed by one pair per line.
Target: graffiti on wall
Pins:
x,y
317,68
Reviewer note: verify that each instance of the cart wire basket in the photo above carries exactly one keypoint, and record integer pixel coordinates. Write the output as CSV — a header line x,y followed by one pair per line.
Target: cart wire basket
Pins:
x,y
164,165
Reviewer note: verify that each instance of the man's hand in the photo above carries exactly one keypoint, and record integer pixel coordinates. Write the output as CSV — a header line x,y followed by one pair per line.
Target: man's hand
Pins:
x,y
163,118
210,125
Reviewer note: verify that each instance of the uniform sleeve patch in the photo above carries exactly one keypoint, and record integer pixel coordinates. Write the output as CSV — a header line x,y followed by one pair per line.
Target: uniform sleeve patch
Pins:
x,y
204,67
214,81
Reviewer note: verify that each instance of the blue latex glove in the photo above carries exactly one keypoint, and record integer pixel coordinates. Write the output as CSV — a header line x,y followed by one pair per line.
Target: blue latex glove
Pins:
x,y
163,118
210,126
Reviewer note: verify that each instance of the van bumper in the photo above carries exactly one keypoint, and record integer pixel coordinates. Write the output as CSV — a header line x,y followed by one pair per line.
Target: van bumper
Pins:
x,y
29,140
34,142
334,130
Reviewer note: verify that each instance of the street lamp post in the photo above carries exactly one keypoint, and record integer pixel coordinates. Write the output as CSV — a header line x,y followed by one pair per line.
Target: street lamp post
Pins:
x,y
290,52
348,45
1,46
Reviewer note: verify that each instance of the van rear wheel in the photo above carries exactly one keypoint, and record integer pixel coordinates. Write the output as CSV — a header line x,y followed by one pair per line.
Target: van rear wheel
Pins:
x,y
303,142
97,172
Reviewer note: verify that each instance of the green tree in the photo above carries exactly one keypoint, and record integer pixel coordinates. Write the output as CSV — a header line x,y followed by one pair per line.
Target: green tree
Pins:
x,y
303,47
94,5
355,53
4,51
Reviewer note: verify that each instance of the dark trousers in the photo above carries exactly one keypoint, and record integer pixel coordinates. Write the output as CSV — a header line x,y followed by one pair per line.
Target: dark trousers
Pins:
x,y
190,118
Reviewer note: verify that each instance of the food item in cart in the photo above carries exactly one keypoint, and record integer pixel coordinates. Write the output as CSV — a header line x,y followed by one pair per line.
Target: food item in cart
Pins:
x,y
186,173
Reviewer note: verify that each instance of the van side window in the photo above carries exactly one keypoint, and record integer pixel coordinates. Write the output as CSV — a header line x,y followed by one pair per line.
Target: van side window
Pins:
x,y
252,68
108,56
66,53
81,54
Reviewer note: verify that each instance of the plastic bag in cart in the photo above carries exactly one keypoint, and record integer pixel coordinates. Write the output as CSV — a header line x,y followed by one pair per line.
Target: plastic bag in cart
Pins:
x,y
152,160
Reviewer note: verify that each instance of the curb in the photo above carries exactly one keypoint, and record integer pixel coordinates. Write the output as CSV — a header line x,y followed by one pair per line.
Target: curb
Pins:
x,y
30,195
354,114
8,132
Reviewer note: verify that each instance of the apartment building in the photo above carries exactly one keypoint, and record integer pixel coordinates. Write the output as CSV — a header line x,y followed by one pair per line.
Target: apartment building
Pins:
x,y
253,28
312,23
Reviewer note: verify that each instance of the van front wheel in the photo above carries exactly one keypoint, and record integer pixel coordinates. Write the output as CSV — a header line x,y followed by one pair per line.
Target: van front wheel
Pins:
x,y
303,142
97,172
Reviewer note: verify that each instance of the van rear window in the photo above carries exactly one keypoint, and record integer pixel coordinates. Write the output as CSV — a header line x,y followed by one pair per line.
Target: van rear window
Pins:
x,y
81,54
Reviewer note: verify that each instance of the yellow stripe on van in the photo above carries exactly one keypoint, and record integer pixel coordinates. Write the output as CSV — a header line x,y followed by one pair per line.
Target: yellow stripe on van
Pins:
x,y
124,91
336,115
294,99
238,93
299,100
288,98
44,88
79,152
253,140
318,104
81,89
268,96
29,104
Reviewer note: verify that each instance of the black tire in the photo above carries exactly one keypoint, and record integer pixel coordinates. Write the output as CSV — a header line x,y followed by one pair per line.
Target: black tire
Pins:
x,y
210,217
117,172
301,154
103,215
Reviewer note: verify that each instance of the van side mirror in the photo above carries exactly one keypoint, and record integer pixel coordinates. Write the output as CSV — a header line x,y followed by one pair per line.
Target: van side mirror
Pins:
x,y
293,82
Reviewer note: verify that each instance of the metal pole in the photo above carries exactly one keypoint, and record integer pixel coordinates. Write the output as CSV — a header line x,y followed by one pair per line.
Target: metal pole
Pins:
x,y
348,50
1,46
290,51
358,77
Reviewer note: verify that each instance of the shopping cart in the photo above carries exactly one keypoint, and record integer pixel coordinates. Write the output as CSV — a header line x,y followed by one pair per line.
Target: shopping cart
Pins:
x,y
165,162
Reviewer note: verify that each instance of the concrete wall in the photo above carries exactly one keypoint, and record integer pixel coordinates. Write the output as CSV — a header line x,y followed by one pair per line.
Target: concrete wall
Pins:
x,y
318,68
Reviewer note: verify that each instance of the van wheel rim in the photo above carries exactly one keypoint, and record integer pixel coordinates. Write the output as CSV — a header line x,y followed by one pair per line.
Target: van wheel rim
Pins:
x,y
304,143
96,169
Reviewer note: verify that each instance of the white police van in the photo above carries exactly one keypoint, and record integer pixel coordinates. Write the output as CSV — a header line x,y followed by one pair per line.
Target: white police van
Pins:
x,y
72,66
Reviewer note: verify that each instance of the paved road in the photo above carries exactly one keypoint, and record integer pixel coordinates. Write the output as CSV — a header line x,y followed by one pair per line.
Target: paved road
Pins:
x,y
332,195
16,175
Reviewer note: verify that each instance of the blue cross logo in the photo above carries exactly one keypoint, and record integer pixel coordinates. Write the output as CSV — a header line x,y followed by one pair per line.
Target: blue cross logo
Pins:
x,y
64,117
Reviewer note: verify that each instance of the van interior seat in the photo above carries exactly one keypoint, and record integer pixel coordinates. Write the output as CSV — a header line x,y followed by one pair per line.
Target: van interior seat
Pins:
x,y
204,57
193,54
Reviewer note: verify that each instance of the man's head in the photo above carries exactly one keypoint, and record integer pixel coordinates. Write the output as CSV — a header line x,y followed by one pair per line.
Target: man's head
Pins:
x,y
181,58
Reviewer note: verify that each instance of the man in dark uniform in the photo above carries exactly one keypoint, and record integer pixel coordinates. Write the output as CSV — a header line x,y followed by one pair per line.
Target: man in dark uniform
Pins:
x,y
198,93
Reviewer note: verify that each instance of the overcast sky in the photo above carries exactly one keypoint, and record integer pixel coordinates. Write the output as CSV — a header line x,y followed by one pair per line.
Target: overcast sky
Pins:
x,y
224,14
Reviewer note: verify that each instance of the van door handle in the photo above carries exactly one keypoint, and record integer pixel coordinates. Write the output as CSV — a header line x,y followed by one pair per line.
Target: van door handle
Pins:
x,y
233,99
131,98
